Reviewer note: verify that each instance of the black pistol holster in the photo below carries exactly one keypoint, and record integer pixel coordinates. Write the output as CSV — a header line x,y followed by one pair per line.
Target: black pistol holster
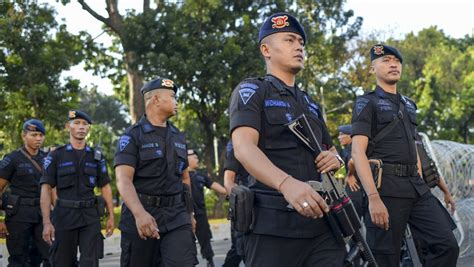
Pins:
x,y
428,167
11,204
101,207
241,208
376,169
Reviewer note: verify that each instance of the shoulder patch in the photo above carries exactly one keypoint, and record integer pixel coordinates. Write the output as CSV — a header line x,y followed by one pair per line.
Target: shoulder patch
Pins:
x,y
246,91
246,94
47,161
123,142
229,147
361,103
4,162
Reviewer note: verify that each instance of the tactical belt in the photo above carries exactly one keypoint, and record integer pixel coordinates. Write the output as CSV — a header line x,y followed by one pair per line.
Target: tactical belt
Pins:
x,y
272,202
161,201
29,202
400,169
76,204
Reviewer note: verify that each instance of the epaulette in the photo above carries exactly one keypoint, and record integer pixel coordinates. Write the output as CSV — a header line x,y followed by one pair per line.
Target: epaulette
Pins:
x,y
172,127
129,128
409,100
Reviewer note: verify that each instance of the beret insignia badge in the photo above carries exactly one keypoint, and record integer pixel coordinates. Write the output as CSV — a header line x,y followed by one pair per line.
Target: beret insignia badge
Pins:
x,y
378,50
280,22
167,83
72,114
31,127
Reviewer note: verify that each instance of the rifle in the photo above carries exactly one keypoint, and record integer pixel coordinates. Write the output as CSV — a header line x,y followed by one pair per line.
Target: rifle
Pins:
x,y
342,215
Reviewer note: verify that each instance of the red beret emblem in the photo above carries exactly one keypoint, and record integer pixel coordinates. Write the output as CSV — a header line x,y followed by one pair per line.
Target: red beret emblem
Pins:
x,y
280,22
167,83
378,50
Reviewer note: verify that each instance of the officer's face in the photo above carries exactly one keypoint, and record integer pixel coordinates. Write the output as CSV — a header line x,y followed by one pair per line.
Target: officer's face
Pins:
x,y
344,139
284,50
33,140
193,160
78,128
166,100
387,69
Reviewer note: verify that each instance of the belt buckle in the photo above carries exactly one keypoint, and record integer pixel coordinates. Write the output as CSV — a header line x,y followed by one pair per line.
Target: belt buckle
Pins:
x,y
77,204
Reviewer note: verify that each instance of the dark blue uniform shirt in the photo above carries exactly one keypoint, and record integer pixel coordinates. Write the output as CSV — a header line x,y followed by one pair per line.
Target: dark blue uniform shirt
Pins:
x,y
158,155
372,112
23,179
75,174
267,105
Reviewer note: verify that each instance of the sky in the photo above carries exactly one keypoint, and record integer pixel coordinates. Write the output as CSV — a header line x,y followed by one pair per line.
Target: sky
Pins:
x,y
395,17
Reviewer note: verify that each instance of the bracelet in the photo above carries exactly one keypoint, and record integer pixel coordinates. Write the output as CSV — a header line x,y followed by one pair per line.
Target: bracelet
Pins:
x,y
374,193
284,180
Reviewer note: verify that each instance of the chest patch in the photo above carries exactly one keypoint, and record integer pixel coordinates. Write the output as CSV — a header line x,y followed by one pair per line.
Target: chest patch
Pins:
x,y
276,103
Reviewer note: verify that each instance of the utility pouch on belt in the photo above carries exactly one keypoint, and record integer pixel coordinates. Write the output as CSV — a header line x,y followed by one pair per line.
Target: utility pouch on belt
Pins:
x,y
431,174
241,208
188,199
428,166
101,207
376,169
11,204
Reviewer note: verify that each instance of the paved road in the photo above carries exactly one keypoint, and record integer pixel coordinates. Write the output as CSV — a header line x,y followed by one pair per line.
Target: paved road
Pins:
x,y
220,249
222,246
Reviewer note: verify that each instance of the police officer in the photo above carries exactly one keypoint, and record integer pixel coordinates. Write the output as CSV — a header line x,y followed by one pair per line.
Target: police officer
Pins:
x,y
75,169
260,108
403,197
234,174
21,171
198,182
150,164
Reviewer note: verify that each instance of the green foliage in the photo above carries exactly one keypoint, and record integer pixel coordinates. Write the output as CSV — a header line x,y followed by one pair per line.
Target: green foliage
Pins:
x,y
34,50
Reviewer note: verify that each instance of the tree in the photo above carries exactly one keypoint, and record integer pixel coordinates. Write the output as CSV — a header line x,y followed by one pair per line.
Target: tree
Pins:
x,y
34,50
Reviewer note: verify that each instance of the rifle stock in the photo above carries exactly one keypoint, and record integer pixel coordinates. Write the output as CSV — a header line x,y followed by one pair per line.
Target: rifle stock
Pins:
x,y
342,214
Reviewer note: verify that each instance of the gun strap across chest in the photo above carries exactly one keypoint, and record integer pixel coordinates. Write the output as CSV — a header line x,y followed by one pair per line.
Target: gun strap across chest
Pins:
x,y
380,135
37,166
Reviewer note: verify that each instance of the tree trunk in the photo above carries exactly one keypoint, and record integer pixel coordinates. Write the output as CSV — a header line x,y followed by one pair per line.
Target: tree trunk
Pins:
x,y
135,82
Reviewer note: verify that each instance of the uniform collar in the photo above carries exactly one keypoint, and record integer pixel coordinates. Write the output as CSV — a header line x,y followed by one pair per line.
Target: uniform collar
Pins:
x,y
147,127
380,92
70,148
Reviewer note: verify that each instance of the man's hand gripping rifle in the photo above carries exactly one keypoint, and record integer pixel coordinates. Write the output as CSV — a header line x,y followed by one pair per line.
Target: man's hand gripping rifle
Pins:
x,y
342,216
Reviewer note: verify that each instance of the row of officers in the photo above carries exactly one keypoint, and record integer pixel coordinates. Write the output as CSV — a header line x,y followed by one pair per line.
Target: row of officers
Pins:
x,y
52,205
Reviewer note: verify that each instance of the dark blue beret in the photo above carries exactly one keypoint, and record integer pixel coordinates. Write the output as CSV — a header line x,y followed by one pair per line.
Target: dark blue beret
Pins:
x,y
347,129
159,83
77,114
380,50
34,126
281,22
